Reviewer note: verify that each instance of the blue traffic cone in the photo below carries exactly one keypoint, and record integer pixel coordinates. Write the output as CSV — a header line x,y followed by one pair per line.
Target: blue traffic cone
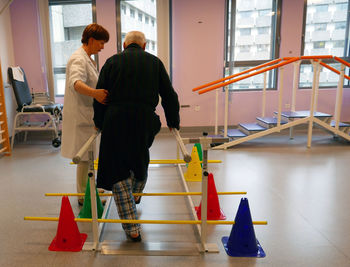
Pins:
x,y
242,241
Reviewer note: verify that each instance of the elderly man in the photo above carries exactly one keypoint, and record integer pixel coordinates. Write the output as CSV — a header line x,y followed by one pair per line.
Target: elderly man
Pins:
x,y
134,80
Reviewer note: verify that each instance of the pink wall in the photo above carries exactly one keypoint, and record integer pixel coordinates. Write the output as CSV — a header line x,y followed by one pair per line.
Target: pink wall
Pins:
x,y
27,42
198,53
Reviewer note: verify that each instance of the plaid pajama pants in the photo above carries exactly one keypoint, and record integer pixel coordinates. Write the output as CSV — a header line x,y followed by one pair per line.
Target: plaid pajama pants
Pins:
x,y
125,202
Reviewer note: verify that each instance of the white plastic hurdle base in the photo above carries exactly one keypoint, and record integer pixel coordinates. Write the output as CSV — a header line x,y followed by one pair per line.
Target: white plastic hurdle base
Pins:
x,y
149,248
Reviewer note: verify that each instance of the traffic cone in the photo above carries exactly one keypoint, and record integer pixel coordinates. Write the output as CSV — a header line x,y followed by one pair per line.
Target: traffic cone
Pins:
x,y
200,152
194,169
214,211
242,241
68,237
86,209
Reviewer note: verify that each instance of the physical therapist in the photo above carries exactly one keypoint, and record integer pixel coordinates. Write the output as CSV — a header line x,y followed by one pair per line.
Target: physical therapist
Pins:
x,y
81,80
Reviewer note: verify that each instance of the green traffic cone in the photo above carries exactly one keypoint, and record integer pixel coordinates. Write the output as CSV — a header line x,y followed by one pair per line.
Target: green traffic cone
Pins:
x,y
86,209
200,153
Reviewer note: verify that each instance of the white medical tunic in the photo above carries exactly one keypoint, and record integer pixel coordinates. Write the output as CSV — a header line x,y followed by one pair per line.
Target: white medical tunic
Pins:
x,y
78,111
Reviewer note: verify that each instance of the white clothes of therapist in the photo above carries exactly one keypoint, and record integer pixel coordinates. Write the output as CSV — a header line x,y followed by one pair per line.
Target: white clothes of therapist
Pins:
x,y
81,80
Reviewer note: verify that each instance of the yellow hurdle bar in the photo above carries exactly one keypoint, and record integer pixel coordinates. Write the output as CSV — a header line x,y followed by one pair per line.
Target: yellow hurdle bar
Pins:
x,y
176,161
54,219
144,194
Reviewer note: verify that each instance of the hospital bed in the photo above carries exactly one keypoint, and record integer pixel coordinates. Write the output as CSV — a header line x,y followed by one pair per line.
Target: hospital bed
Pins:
x,y
35,112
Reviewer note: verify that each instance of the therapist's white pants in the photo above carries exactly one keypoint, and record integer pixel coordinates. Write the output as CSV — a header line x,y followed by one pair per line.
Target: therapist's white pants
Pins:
x,y
82,176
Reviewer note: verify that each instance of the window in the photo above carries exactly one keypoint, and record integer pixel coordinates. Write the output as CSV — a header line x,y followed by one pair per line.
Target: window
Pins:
x,y
245,31
146,12
140,16
132,13
340,25
252,31
327,33
321,44
124,9
263,30
67,23
320,26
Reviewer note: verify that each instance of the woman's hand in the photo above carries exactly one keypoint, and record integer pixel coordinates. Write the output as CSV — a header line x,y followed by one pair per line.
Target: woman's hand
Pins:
x,y
101,95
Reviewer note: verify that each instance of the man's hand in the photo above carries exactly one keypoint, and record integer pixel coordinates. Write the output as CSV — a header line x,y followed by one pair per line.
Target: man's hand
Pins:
x,y
101,96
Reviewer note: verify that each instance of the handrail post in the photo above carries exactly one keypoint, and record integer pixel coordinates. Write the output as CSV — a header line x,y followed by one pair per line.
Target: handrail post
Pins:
x,y
216,111
296,75
94,214
204,207
316,76
226,110
280,96
339,98
264,96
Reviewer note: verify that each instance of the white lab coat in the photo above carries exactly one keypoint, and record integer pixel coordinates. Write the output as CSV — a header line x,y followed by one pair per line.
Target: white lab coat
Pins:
x,y
78,111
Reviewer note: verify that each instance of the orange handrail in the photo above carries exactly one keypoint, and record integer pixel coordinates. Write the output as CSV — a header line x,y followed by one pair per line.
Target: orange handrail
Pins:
x,y
333,69
249,75
287,61
316,57
342,61
237,74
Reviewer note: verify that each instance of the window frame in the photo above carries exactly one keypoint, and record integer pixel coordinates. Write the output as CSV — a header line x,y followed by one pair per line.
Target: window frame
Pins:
x,y
346,47
62,70
275,45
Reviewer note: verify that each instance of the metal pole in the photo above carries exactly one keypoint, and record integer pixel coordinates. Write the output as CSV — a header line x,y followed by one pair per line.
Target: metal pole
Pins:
x,y
91,175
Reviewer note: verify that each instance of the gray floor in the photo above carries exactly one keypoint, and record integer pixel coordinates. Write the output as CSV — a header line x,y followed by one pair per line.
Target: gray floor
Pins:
x,y
302,193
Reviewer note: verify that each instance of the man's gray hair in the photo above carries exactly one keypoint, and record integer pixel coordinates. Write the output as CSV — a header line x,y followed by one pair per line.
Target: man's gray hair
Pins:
x,y
135,37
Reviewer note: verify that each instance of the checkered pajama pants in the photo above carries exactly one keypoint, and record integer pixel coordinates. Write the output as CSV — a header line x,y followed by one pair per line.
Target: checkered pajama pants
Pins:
x,y
125,202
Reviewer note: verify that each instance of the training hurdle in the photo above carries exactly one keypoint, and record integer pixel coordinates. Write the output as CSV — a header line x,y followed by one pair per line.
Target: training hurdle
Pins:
x,y
153,248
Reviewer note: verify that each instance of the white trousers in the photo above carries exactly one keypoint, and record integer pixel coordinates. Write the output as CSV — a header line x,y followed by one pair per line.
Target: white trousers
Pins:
x,y
82,176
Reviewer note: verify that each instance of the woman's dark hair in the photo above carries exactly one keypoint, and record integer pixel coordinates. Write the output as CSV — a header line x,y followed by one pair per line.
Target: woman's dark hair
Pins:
x,y
95,31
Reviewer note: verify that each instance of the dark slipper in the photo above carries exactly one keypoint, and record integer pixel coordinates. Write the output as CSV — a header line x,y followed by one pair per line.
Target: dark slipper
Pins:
x,y
138,200
134,239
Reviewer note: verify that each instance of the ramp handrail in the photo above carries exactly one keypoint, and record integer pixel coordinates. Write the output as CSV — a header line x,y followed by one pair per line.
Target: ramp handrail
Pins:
x,y
237,74
287,61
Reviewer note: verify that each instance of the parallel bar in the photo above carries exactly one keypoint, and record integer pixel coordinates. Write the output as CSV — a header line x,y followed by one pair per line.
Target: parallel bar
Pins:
x,y
145,194
187,156
168,161
53,219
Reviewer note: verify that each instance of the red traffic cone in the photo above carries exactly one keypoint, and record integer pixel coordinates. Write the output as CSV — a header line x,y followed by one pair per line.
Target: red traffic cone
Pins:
x,y
242,241
214,211
68,237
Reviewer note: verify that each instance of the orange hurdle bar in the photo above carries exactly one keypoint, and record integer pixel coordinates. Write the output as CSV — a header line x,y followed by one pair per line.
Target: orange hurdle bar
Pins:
x,y
237,74
249,75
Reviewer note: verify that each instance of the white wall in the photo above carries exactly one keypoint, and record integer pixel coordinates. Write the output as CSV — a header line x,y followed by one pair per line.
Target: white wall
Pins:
x,y
7,59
